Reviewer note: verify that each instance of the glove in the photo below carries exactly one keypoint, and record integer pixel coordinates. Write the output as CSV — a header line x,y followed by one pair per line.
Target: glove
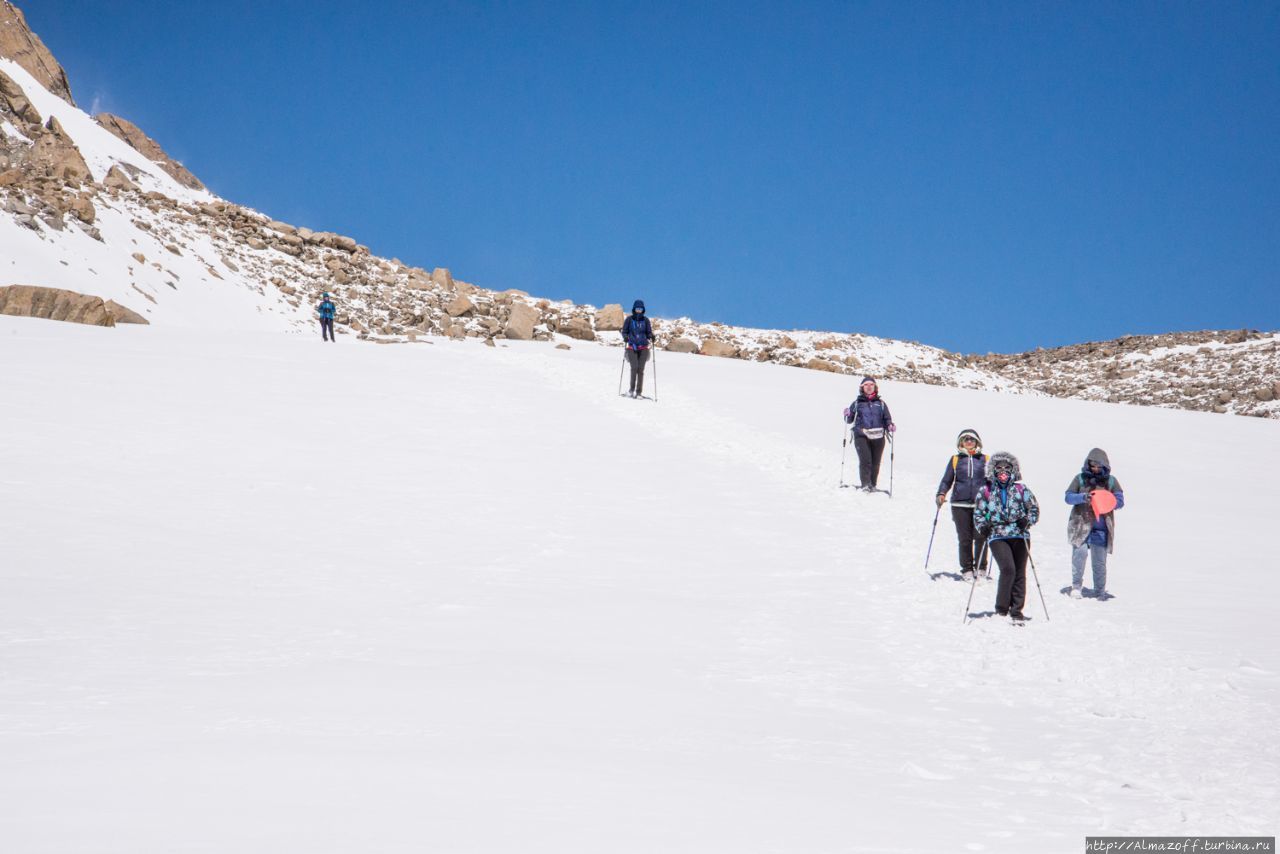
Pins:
x,y
1023,524
893,428
981,531
942,499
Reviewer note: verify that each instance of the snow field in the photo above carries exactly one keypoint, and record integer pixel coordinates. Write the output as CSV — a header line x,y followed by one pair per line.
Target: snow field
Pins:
x,y
266,594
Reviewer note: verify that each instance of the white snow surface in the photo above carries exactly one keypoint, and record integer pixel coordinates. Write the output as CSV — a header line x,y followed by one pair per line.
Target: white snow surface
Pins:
x,y
264,594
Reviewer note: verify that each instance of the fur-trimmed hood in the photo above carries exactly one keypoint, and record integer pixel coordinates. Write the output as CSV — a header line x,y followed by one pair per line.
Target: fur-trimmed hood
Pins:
x,y
1003,457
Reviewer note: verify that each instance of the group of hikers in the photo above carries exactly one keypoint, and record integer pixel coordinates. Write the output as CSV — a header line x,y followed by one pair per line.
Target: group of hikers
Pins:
x,y
993,512
992,509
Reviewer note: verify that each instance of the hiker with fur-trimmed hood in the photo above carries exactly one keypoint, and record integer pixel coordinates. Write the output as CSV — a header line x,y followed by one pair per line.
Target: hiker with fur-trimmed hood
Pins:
x,y
871,422
1090,535
963,477
1004,513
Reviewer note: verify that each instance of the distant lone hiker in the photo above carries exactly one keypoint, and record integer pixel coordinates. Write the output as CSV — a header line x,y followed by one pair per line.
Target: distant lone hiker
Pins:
x,y
637,332
871,421
326,310
1092,536
964,475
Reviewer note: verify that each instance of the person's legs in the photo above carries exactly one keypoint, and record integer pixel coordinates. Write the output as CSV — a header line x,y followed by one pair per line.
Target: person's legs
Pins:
x,y
633,361
1003,557
877,451
863,446
963,519
1078,555
1018,589
1099,556
642,356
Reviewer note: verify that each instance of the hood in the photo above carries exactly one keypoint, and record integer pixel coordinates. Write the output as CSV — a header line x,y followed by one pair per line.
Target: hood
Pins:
x,y
638,305
968,433
1098,456
996,459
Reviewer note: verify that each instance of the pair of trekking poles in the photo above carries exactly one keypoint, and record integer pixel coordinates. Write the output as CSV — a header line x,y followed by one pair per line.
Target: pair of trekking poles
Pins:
x,y
844,452
622,369
981,553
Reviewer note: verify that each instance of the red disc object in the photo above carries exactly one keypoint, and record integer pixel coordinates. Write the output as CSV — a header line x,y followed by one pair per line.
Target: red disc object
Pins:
x,y
1103,502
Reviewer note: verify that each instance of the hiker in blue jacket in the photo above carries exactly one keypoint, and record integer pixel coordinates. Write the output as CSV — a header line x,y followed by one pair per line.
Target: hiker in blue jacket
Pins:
x,y
326,310
1003,514
871,422
963,477
1090,535
637,332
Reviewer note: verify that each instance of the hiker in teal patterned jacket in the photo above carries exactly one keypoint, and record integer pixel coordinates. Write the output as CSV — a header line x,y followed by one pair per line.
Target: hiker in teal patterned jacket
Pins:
x,y
1004,513
326,310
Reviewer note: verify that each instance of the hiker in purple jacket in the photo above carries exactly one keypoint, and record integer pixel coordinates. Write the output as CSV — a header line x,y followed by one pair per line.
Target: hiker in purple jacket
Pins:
x,y
871,422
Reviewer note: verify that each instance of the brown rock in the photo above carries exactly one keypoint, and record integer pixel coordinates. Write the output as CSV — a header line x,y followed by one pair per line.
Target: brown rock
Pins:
x,y
521,322
255,243
442,277
116,180
149,148
83,210
125,315
1224,397
579,328
10,177
787,343
610,318
558,346
54,304
712,347
682,345
19,43
460,306
1265,393
816,364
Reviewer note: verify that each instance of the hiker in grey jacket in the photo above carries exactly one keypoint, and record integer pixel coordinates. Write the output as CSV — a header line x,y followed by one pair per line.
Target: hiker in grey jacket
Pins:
x,y
963,477
1089,535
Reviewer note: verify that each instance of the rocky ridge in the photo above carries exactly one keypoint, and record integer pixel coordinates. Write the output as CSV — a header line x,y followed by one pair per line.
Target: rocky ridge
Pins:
x,y
47,185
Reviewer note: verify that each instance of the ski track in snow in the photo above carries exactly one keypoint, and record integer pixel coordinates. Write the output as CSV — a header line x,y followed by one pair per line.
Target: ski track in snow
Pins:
x,y
387,598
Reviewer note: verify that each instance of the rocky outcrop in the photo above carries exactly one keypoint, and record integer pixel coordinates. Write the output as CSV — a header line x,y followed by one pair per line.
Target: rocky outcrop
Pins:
x,y
125,315
54,304
682,345
148,148
521,321
19,43
610,318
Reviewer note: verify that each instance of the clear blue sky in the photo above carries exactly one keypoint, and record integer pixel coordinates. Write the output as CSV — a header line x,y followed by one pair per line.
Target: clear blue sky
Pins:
x,y
979,176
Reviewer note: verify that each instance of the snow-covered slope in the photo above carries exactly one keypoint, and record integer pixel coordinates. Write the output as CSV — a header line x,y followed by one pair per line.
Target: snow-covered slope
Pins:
x,y
263,594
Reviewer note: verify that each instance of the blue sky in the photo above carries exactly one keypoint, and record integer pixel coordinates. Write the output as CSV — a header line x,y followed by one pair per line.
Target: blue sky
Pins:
x,y
979,176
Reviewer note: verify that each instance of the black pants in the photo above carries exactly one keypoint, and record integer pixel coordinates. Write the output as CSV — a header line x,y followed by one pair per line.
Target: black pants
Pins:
x,y
869,453
636,359
326,328
1011,590
970,542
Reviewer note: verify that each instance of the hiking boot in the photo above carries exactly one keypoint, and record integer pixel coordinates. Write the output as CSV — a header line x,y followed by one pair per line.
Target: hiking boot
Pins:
x,y
1076,593
1017,617
967,575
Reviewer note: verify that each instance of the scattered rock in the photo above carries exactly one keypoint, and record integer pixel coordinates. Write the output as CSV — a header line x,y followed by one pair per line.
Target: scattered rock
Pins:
x,y
521,322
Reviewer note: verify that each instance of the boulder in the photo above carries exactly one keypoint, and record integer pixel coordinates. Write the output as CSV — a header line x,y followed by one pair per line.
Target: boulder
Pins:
x,y
255,243
558,346
442,277
787,343
1265,393
54,304
610,318
116,180
577,327
125,315
712,347
682,345
816,364
460,306
521,322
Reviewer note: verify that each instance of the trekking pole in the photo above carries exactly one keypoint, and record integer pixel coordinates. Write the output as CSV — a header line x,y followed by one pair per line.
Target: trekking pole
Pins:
x,y
890,465
622,368
931,533
1036,576
844,448
973,585
655,371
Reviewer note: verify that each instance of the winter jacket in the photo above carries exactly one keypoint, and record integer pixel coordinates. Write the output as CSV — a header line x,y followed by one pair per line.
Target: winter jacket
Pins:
x,y
326,310
966,473
1082,525
637,331
868,413
1005,511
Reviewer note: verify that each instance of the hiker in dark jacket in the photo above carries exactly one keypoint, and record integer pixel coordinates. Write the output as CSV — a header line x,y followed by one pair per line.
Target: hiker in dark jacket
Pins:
x,y
637,332
326,310
963,477
1004,513
871,422
1089,535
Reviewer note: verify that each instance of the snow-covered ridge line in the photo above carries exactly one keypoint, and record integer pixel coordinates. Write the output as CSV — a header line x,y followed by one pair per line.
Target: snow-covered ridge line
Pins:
x,y
129,232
